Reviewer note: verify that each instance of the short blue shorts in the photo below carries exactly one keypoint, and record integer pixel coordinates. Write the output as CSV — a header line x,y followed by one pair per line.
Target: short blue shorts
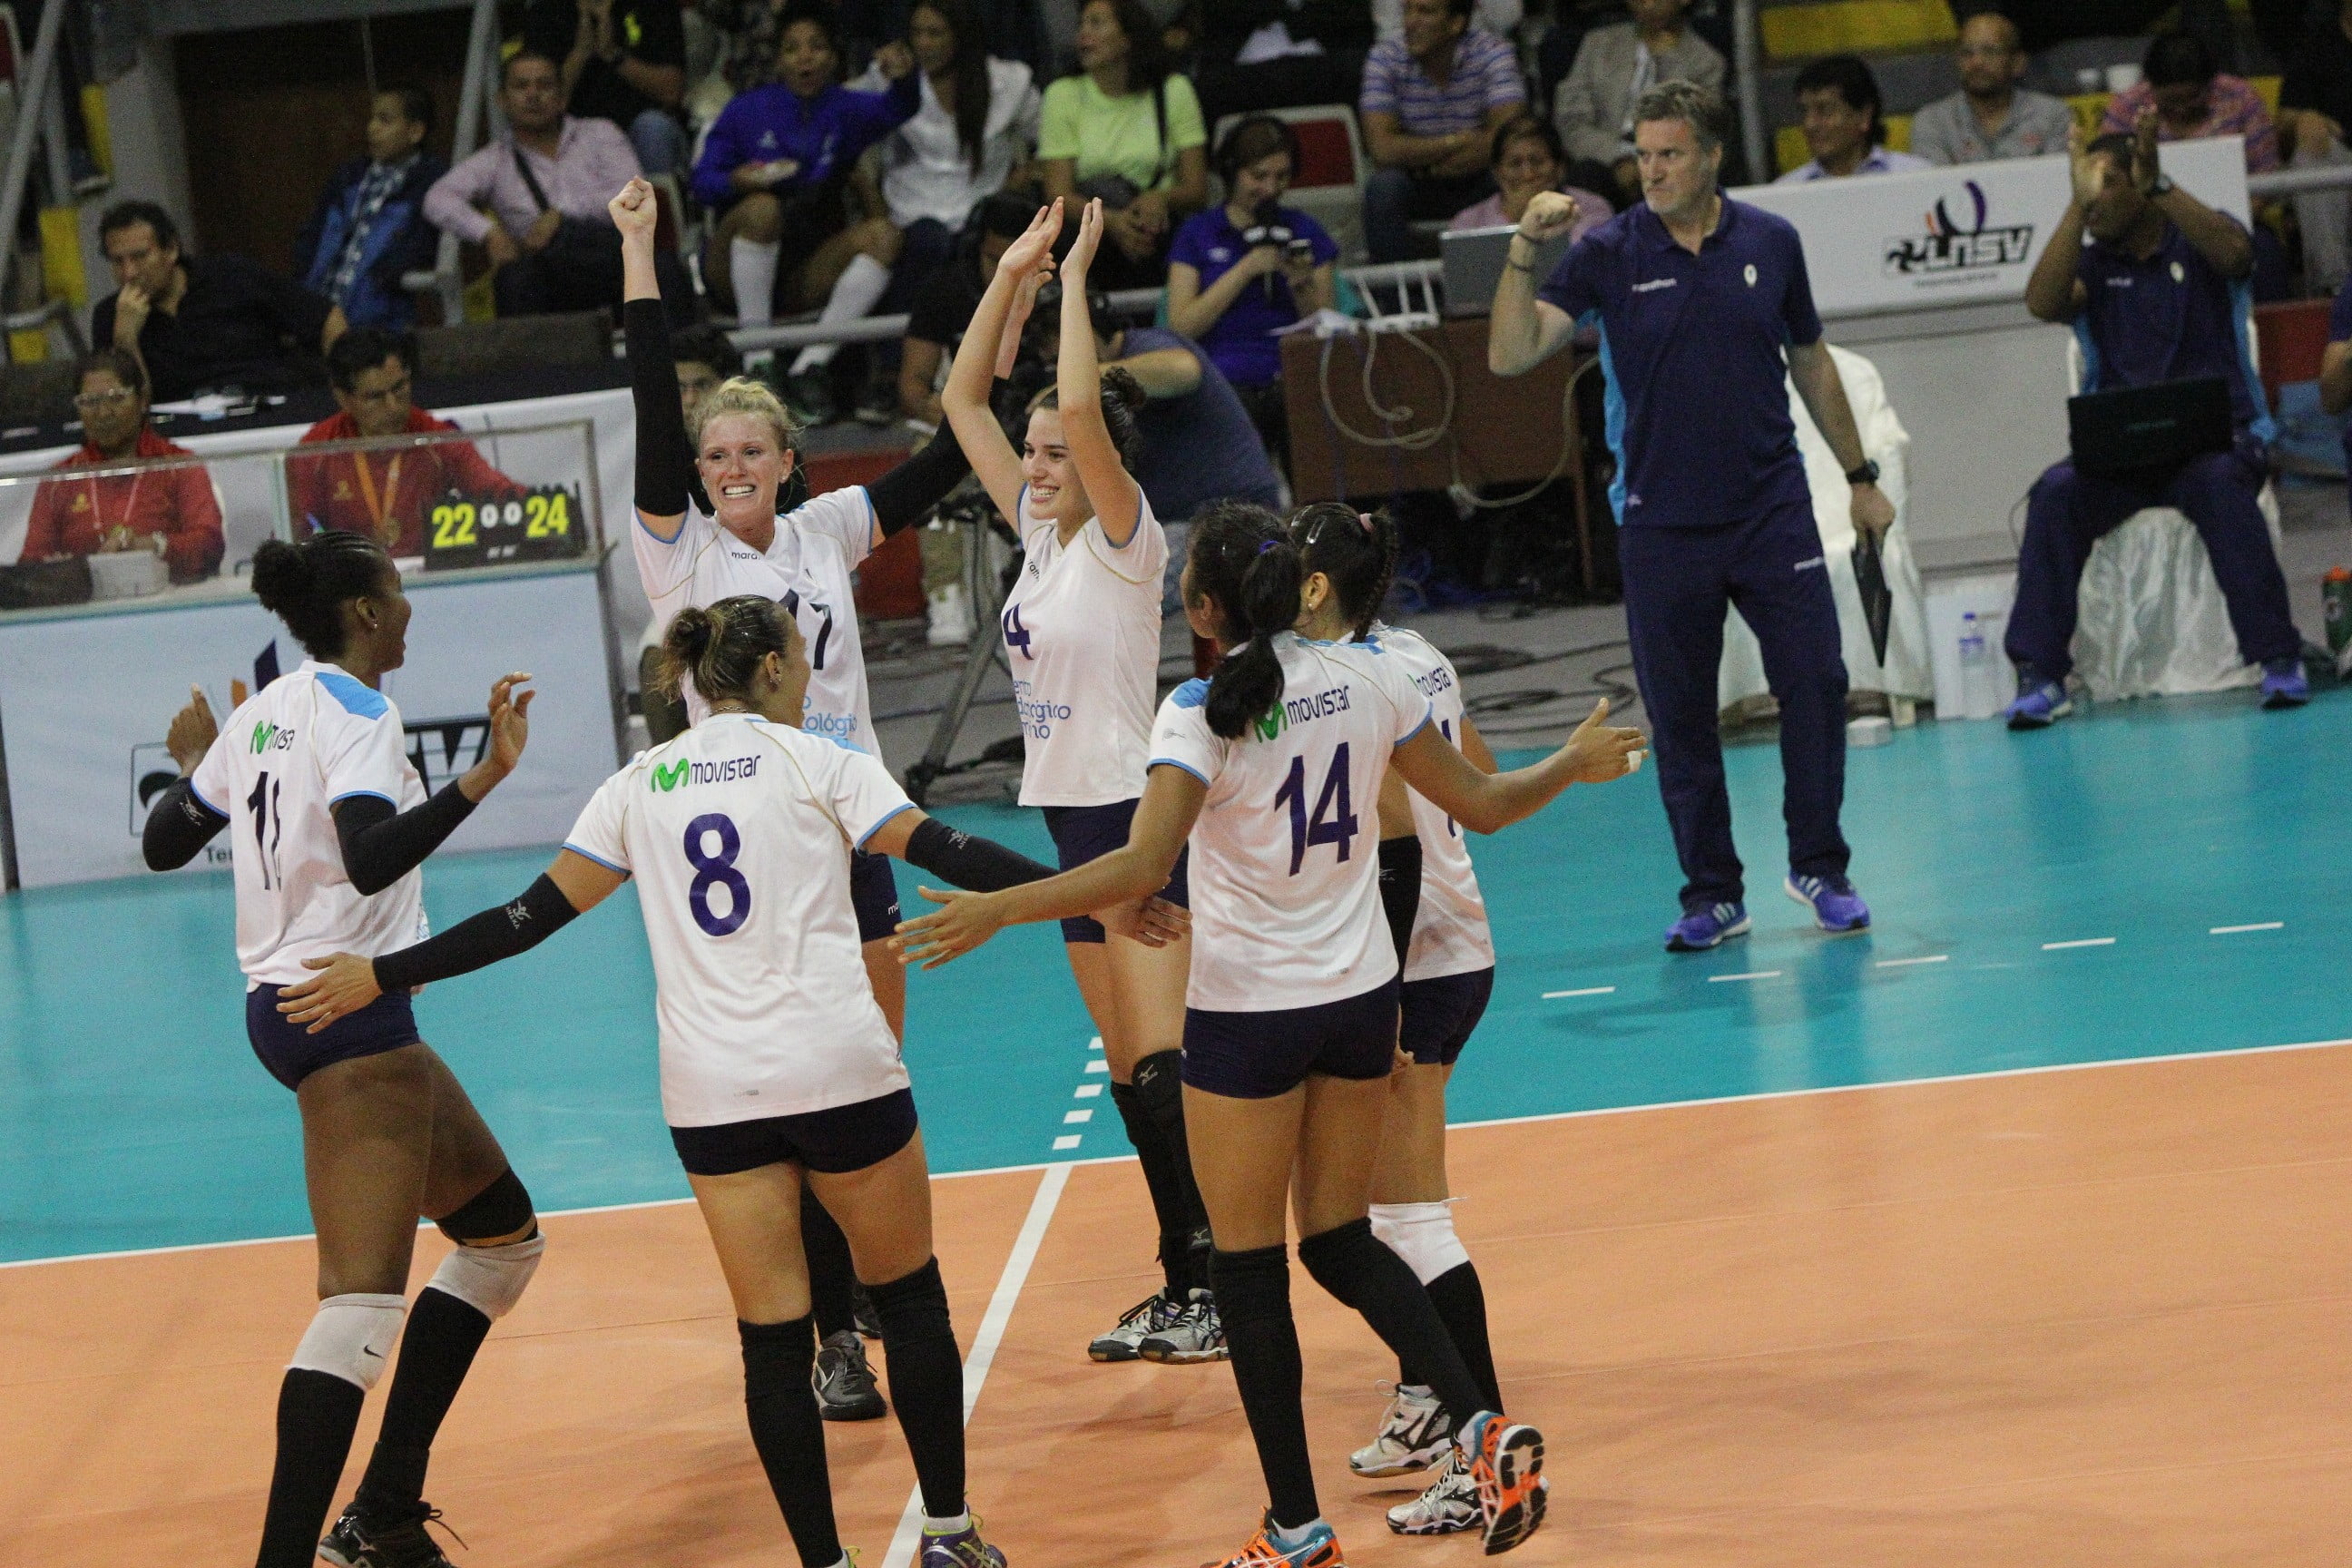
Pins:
x,y
385,1025
1083,833
1256,1056
837,1139
1440,1014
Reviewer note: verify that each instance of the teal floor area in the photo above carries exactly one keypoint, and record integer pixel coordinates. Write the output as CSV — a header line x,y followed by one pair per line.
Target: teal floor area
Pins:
x,y
133,1115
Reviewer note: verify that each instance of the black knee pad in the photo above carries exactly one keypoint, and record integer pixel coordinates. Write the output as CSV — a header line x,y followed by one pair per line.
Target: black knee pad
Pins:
x,y
1340,1258
1159,1086
499,1209
913,1307
1401,888
777,1357
1252,1287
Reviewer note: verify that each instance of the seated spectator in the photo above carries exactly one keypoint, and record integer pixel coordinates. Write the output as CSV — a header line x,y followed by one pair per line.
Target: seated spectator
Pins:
x,y
2157,291
2314,106
2193,99
214,323
1241,272
623,60
752,31
1500,17
387,496
777,167
945,300
971,137
1593,105
1126,129
1529,157
1990,117
1845,128
173,514
545,183
370,227
1431,104
704,357
1257,55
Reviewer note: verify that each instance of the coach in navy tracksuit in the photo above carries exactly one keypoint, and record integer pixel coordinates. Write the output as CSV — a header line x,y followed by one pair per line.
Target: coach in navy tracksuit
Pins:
x,y
1699,297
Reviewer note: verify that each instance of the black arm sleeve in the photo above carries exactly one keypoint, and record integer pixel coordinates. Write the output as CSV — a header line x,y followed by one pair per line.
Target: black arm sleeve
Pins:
x,y
1401,887
906,495
177,826
379,849
665,457
480,939
981,865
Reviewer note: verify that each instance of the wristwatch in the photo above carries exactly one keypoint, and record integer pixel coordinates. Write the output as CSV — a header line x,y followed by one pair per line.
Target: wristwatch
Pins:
x,y
2159,187
1865,475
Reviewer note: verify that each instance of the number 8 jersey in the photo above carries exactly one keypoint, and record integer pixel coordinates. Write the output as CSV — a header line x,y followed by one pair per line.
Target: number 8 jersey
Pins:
x,y
1285,855
737,833
289,753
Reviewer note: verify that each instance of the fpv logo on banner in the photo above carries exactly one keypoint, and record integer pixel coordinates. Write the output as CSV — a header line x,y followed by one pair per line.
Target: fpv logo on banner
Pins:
x,y
1948,246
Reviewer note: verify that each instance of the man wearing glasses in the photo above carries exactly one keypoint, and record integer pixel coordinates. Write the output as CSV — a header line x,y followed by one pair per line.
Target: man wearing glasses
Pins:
x,y
1990,117
172,511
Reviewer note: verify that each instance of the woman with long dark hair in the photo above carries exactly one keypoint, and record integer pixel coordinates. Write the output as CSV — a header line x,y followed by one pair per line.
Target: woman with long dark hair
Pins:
x,y
1125,129
1269,770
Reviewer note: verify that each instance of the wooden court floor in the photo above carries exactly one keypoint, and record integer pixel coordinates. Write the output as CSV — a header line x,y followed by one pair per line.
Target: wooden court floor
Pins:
x,y
2083,1317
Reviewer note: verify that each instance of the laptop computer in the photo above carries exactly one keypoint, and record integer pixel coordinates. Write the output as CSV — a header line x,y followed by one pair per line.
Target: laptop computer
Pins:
x,y
2158,425
1473,260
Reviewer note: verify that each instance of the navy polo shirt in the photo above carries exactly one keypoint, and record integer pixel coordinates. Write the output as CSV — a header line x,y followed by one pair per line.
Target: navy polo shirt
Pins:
x,y
2339,327
2170,317
1693,350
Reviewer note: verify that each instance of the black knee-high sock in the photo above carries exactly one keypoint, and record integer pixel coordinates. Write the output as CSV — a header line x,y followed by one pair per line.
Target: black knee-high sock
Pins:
x,y
1354,1265
1160,1175
437,1350
830,1273
1461,1303
790,1434
1160,1088
317,1413
926,1383
1253,1302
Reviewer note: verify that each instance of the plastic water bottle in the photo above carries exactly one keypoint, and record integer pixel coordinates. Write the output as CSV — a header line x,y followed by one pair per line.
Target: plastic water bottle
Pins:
x,y
1976,669
2336,607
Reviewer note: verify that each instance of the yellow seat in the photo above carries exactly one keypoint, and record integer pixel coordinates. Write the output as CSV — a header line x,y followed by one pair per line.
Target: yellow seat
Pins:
x,y
1856,27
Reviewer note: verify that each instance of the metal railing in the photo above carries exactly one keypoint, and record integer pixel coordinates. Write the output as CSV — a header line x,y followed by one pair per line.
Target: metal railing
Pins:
x,y
882,329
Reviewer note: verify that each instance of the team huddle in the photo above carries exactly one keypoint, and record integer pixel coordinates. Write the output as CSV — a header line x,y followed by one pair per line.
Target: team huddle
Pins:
x,y
1265,900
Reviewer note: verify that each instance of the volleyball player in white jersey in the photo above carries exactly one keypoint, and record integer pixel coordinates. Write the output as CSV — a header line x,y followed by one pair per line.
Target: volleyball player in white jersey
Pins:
x,y
1290,1031
329,823
738,447
1081,630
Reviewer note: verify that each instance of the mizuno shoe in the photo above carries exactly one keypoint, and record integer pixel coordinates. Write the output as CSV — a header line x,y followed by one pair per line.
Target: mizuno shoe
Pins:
x,y
1449,1507
1415,1433
1320,1550
1506,1467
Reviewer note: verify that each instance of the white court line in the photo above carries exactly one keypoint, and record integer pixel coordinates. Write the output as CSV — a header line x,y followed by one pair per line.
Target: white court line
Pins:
x,y
984,1344
1751,974
2258,925
1907,963
2079,941
1088,1092
1588,991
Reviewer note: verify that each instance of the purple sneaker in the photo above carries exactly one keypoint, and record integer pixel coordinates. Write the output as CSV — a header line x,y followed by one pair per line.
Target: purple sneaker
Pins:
x,y
1837,908
961,1548
2284,685
1702,929
2039,705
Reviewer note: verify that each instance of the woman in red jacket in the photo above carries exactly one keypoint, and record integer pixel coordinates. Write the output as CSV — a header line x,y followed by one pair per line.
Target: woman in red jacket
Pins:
x,y
172,511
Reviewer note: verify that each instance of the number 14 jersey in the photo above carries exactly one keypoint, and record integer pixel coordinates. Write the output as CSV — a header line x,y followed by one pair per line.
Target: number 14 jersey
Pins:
x,y
1285,855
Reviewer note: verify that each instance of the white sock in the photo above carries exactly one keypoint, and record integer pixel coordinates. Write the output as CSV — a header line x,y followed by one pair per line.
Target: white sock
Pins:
x,y
752,266
856,292
1293,1535
947,1526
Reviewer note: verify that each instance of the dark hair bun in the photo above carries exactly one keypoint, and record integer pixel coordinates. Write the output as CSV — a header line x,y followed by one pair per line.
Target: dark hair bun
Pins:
x,y
281,575
690,634
1120,385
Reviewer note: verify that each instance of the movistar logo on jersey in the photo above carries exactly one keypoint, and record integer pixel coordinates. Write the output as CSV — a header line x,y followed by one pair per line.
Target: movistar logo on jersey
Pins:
x,y
268,737
686,769
1300,709
1271,724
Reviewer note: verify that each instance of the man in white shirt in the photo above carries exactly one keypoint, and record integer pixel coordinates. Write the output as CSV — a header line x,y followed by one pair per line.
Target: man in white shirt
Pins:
x,y
1844,125
1990,117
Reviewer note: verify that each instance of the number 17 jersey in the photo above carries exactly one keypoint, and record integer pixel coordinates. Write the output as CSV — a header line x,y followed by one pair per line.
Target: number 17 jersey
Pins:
x,y
1285,854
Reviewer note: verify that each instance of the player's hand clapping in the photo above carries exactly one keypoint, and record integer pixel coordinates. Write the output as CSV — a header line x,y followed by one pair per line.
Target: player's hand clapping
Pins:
x,y
193,731
509,732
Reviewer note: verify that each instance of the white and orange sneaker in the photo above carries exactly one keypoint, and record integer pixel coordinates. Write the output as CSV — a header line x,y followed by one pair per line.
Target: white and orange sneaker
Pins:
x,y
1506,1466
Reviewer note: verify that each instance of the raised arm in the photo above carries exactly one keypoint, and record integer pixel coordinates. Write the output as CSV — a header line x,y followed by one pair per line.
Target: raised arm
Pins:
x,y
964,399
2218,237
664,455
1523,330
2053,292
180,823
1117,499
380,845
1489,802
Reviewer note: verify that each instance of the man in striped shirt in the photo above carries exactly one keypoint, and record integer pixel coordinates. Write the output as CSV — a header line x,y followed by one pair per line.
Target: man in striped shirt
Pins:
x,y
1432,102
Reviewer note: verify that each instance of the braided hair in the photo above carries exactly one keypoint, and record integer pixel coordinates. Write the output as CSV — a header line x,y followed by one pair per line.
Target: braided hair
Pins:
x,y
306,584
1357,550
1240,562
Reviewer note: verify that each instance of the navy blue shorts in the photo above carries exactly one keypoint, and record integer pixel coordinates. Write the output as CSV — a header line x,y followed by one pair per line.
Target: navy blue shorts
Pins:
x,y
1083,833
1441,1013
385,1025
874,893
1256,1056
841,1138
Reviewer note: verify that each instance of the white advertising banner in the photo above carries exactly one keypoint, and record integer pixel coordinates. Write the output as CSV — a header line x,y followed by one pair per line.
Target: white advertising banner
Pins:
x,y
1965,236
86,699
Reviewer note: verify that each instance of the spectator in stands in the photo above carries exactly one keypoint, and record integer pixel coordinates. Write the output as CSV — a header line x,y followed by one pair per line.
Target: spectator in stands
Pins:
x,y
1241,271
1431,104
2193,98
1593,105
1257,55
944,302
1500,17
370,227
173,514
623,60
777,166
752,30
1845,126
2314,106
705,357
196,324
2158,294
545,183
1125,129
972,136
1990,117
388,495
1529,157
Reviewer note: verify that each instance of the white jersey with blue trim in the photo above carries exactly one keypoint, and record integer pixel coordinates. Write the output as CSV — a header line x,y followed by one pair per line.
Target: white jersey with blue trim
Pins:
x,y
302,743
807,566
1449,934
739,834
1081,632
1285,855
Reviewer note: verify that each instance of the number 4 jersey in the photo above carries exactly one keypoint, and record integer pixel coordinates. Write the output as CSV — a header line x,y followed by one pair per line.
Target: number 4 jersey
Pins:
x,y
1285,855
289,753
739,834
